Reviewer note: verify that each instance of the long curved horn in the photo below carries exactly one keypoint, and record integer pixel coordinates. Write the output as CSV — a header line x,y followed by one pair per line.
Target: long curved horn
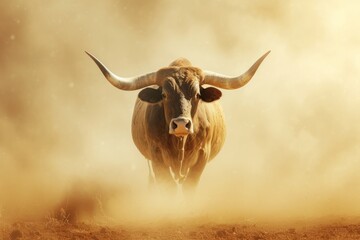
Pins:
x,y
131,83
227,82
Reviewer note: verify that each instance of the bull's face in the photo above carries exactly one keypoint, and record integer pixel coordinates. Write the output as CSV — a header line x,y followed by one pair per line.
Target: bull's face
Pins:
x,y
180,94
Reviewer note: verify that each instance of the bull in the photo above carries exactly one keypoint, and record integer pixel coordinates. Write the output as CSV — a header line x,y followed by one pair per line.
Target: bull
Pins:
x,y
177,123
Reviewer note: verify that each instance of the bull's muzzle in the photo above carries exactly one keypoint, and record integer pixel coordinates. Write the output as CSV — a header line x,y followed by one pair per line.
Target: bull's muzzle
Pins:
x,y
181,126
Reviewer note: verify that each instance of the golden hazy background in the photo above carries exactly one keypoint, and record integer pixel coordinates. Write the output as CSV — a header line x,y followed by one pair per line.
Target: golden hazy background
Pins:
x,y
292,148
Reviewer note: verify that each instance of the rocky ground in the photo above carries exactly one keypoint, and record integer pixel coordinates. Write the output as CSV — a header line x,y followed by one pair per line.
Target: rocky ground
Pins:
x,y
54,229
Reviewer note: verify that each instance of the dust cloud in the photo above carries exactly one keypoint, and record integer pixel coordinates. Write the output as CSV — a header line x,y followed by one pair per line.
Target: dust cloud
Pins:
x,y
292,148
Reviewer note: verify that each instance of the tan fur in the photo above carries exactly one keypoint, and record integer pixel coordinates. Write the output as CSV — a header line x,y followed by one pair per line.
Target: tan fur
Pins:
x,y
181,62
150,128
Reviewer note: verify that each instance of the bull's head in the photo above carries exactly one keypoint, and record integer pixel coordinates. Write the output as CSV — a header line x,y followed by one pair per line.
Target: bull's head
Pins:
x,y
180,89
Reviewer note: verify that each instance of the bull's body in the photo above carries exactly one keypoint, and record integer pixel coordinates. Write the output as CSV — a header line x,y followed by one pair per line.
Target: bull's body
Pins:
x,y
151,137
179,124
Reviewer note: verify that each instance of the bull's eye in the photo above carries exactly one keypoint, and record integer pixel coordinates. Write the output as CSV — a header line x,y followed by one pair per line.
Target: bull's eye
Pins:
x,y
197,96
163,95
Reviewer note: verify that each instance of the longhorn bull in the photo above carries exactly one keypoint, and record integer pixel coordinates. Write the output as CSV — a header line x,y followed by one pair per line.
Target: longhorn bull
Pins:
x,y
177,122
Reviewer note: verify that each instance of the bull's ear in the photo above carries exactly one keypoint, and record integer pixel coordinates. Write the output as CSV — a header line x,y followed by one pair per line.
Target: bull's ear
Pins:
x,y
150,95
210,94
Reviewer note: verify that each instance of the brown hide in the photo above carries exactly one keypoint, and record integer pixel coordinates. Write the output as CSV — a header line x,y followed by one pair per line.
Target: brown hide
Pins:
x,y
150,126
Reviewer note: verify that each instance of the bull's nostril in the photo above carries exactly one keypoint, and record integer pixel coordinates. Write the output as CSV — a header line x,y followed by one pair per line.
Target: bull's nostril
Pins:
x,y
173,125
188,125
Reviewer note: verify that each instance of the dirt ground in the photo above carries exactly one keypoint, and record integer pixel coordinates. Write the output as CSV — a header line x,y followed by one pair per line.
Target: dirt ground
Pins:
x,y
54,229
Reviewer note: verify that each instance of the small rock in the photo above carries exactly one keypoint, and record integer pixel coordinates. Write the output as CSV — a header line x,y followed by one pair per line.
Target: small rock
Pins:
x,y
16,234
35,233
221,233
258,237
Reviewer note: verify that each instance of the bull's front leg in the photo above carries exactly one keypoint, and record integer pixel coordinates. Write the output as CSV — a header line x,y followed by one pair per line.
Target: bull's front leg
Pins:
x,y
195,172
163,177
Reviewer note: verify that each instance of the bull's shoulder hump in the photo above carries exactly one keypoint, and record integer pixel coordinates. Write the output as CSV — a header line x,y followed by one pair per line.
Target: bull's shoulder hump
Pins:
x,y
181,62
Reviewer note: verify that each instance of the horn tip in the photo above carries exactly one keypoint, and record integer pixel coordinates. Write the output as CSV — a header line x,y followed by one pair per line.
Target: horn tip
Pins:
x,y
89,54
267,53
